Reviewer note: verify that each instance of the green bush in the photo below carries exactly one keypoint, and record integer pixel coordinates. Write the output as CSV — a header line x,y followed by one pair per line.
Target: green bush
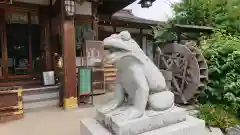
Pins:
x,y
222,52
217,116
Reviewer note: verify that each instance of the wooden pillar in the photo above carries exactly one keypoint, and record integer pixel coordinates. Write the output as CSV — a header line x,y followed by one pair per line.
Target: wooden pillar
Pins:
x,y
45,37
69,61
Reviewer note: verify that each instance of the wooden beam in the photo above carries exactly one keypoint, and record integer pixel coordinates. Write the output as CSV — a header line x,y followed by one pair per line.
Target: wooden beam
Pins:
x,y
21,83
95,1
83,19
124,24
112,6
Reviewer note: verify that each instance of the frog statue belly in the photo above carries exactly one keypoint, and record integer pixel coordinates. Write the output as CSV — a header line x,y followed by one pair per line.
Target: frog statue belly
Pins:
x,y
138,80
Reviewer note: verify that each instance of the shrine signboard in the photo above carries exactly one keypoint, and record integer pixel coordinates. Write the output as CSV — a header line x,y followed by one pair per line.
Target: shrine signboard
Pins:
x,y
94,52
85,80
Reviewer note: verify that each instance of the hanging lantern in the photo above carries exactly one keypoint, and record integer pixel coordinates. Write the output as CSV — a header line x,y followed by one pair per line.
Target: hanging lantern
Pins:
x,y
69,7
146,3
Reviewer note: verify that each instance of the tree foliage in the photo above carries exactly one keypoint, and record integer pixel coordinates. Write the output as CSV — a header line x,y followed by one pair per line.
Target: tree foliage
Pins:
x,y
221,14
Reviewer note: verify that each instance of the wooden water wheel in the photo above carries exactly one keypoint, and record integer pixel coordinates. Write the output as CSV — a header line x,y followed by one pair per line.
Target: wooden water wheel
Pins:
x,y
188,67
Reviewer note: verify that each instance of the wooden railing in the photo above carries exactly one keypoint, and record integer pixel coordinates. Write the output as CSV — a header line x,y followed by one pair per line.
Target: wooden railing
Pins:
x,y
110,76
11,104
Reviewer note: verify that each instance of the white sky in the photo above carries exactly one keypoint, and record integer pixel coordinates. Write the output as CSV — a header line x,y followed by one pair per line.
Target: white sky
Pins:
x,y
160,10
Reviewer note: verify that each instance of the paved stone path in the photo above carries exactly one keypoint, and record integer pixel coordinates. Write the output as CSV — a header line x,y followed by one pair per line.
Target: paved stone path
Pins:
x,y
52,121
55,121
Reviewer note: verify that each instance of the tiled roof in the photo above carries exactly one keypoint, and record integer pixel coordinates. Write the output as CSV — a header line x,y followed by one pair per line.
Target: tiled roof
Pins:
x,y
127,15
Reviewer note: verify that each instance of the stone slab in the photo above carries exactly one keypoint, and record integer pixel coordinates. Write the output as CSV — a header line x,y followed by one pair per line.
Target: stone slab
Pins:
x,y
148,122
233,130
192,126
90,126
214,131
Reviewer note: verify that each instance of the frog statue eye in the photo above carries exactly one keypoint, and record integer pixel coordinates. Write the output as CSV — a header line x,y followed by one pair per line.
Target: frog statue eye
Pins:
x,y
112,49
106,48
125,35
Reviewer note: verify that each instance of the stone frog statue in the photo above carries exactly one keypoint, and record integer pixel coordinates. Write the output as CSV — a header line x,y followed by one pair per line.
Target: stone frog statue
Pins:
x,y
139,83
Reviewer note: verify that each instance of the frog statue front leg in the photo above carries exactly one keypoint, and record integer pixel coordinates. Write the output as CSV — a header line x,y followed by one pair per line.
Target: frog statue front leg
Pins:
x,y
136,105
116,102
138,101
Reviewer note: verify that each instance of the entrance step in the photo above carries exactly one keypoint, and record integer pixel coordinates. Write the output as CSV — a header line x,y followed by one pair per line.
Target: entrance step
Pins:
x,y
41,96
20,83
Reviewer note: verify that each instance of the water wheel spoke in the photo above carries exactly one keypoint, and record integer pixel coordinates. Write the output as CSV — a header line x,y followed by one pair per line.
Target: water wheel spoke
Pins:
x,y
188,80
179,90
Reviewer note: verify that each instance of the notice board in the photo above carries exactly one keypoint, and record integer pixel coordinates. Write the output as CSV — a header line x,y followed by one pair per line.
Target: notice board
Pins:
x,y
85,80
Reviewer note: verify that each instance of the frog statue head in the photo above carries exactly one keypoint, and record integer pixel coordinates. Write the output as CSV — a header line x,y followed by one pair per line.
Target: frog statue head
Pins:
x,y
120,45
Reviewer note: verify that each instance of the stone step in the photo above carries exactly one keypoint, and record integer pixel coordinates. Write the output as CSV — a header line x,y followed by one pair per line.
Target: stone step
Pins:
x,y
41,96
192,126
90,126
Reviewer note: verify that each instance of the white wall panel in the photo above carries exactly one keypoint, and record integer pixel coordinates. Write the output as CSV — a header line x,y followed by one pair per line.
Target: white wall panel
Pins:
x,y
84,9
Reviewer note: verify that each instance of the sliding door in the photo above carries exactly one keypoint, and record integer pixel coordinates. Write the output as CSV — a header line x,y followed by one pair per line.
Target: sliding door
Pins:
x,y
23,42
20,55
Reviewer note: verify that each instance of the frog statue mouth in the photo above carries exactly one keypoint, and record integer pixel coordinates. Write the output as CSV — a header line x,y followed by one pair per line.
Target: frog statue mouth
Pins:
x,y
114,54
118,46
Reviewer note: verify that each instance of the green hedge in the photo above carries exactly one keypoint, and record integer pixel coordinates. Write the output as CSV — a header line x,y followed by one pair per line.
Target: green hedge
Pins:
x,y
222,52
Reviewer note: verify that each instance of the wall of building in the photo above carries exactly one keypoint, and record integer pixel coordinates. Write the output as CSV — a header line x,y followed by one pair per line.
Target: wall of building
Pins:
x,y
84,9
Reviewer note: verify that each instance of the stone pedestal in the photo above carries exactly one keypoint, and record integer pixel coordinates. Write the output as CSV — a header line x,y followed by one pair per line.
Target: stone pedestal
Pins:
x,y
148,122
173,122
191,126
